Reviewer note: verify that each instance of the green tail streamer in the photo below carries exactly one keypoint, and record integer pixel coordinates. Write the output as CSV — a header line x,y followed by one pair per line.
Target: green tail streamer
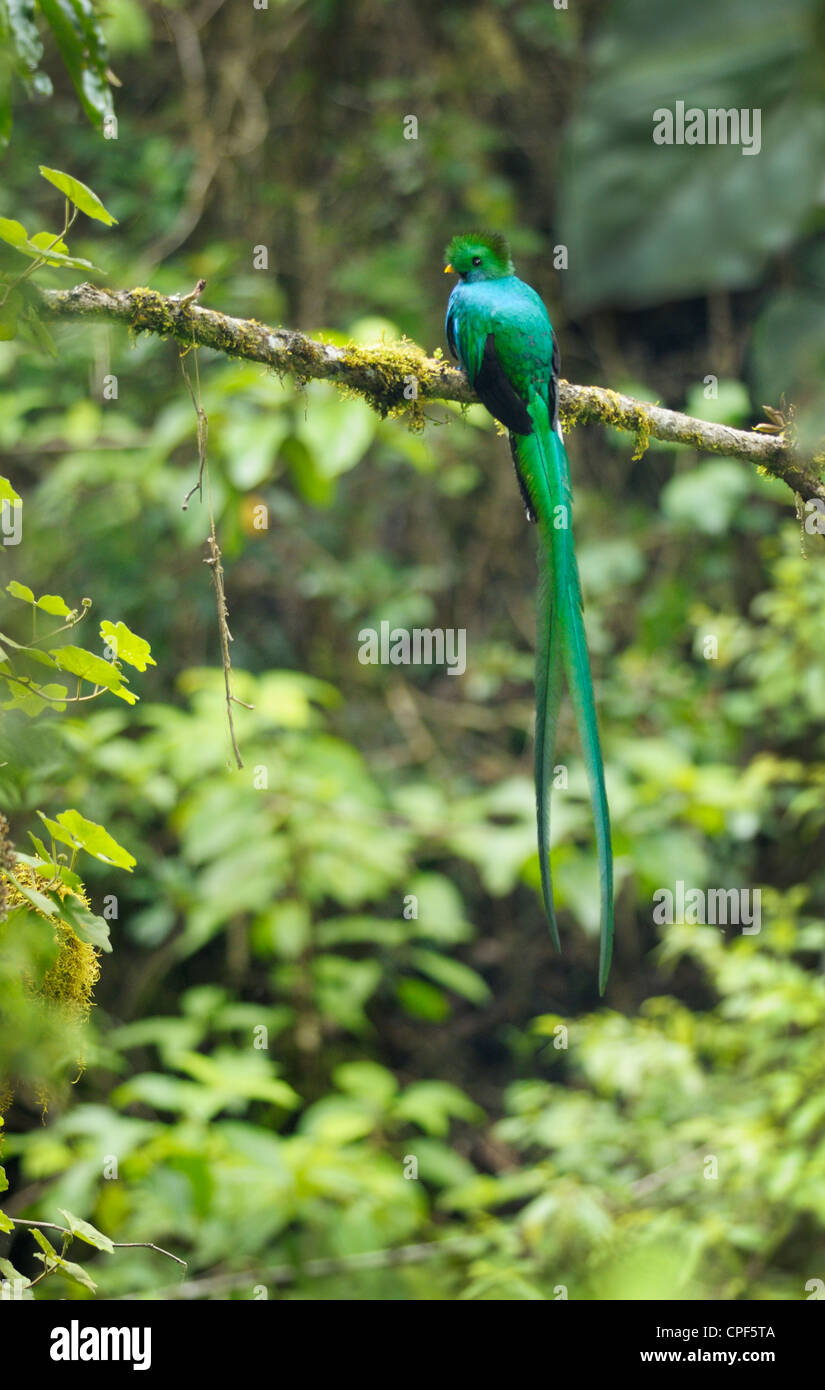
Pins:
x,y
561,646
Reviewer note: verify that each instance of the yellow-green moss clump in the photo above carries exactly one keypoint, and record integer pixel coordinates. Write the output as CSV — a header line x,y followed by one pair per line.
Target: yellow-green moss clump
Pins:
x,y
68,983
394,378
71,980
63,994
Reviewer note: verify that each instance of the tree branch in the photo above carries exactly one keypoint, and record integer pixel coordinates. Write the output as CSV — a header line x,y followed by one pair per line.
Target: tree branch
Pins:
x,y
118,1244
314,1269
395,376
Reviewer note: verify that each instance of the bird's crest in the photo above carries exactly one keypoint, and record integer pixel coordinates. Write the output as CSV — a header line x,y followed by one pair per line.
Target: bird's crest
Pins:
x,y
493,249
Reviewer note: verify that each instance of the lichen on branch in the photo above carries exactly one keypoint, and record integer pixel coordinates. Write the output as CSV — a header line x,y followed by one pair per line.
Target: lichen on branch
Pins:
x,y
395,376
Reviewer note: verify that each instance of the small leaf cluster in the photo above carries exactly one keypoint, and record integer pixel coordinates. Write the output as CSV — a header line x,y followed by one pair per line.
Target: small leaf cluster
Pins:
x,y
19,310
75,28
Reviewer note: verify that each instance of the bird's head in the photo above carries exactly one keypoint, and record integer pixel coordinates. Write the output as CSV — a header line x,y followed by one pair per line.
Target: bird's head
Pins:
x,y
478,256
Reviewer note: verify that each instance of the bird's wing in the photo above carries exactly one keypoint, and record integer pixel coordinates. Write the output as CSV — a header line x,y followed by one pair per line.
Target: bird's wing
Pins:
x,y
495,389
503,338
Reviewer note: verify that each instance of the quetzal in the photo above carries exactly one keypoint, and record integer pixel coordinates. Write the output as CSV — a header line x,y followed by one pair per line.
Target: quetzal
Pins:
x,y
500,331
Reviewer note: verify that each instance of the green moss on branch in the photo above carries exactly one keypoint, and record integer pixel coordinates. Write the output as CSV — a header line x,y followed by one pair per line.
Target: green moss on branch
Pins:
x,y
395,378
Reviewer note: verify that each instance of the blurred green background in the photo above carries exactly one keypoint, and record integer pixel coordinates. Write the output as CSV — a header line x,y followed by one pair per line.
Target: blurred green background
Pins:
x,y
444,1077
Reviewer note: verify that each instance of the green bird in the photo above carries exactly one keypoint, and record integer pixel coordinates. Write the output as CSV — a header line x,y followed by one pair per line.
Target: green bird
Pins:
x,y
500,332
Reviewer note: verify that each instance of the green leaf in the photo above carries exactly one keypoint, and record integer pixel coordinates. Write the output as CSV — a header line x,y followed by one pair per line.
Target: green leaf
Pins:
x,y
50,603
37,900
12,232
39,246
237,1075
6,1225
7,492
57,832
336,431
51,246
79,37
338,1120
84,1231
729,406
439,1164
440,912
85,924
380,931
17,24
684,499
42,658
26,41
432,1104
452,974
21,591
76,1273
79,194
71,879
78,662
49,241
54,604
27,248
127,645
314,486
41,850
71,828
29,698
422,1000
366,1081
44,1242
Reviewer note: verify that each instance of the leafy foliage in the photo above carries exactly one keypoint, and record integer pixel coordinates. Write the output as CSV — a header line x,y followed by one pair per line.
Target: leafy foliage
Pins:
x,y
75,27
332,1025
19,310
638,213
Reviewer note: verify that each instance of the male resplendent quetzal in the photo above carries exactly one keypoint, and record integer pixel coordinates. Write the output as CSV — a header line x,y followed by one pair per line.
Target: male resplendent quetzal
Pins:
x,y
499,330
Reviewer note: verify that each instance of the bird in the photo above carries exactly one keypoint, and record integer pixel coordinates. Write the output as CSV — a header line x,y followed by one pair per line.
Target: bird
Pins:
x,y
499,330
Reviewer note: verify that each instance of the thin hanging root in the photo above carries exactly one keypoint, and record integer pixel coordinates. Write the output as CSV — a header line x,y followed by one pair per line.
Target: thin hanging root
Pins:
x,y
213,559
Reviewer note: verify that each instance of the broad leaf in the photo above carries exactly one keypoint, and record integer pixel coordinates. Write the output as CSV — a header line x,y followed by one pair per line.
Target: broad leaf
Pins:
x,y
85,924
79,194
76,1273
127,645
38,900
12,232
7,492
73,829
79,37
84,1231
89,667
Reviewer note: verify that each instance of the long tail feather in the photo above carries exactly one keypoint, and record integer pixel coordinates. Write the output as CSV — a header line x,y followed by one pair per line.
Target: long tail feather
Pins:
x,y
548,701
561,641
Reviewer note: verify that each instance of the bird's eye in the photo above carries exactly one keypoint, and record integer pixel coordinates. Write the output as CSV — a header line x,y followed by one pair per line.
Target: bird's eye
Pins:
x,y
476,260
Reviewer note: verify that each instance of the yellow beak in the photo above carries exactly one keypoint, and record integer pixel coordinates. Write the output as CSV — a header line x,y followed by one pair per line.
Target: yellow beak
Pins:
x,y
448,270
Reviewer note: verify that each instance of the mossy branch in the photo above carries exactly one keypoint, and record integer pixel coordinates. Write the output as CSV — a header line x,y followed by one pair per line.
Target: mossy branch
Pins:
x,y
398,376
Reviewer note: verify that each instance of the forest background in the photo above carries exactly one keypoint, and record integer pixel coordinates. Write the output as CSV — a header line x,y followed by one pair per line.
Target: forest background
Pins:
x,y
440,1106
